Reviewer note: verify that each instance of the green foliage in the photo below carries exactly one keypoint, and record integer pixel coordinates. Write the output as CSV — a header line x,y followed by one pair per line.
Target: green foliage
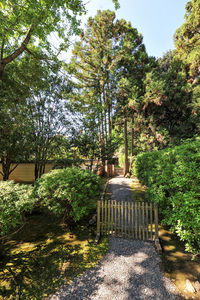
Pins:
x,y
187,39
71,191
172,178
15,199
166,113
107,63
44,256
31,112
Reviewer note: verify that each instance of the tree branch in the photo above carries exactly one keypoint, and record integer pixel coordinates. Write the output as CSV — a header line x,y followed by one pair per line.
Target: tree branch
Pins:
x,y
2,48
13,168
20,50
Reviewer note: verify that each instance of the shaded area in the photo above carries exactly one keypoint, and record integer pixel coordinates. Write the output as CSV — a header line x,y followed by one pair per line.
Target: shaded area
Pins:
x,y
44,255
178,264
130,270
127,189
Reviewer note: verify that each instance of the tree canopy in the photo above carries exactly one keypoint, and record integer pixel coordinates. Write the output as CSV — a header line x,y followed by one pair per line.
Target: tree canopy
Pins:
x,y
28,23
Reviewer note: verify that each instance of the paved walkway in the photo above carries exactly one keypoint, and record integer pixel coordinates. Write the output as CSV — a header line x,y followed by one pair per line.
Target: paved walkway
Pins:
x,y
129,271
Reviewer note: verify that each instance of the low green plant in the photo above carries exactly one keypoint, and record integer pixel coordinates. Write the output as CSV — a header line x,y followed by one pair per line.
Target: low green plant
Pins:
x,y
69,191
15,199
173,180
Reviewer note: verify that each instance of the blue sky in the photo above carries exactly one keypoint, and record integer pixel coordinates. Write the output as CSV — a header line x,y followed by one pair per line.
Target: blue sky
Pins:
x,y
157,20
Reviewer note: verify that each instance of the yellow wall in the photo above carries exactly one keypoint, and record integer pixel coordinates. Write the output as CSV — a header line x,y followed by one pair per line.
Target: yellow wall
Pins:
x,y
25,172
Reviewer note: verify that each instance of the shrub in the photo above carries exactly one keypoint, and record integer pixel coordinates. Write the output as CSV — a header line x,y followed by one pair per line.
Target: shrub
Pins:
x,y
173,180
15,199
71,191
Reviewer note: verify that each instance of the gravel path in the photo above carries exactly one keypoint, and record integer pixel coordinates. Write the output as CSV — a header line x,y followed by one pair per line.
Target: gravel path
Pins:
x,y
129,271
120,188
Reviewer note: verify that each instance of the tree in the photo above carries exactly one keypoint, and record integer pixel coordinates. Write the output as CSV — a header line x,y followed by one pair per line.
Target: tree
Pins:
x,y
48,120
92,65
188,51
14,144
24,23
187,39
165,113
130,72
15,122
109,51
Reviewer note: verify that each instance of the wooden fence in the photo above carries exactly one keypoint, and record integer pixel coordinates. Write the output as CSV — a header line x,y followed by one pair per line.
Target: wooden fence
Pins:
x,y
137,220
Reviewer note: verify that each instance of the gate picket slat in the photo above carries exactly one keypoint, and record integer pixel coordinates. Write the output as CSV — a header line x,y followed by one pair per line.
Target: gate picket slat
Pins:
x,y
115,217
125,219
156,221
132,211
102,216
139,217
136,221
122,220
151,221
143,236
98,217
112,208
129,219
119,221
106,221
147,220
108,217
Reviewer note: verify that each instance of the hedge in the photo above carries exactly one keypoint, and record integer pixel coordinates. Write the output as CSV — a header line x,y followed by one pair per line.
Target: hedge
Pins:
x,y
172,177
15,199
69,191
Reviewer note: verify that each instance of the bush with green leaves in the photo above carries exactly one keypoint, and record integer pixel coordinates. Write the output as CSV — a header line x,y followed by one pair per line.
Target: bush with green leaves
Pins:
x,y
173,180
71,191
15,200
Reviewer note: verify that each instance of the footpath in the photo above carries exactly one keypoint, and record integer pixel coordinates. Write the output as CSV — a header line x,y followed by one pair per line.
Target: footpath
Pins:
x,y
129,271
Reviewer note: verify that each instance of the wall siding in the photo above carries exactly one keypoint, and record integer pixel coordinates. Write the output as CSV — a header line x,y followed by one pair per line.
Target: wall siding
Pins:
x,y
25,172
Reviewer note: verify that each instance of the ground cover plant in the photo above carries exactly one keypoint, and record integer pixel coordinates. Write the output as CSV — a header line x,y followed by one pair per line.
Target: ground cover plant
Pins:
x,y
172,178
44,255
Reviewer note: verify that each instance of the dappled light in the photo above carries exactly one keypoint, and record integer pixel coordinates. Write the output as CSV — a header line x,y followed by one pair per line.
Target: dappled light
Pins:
x,y
128,271
35,265
98,138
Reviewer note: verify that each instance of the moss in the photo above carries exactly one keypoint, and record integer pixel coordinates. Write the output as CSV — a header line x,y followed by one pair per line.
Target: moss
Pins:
x,y
177,263
45,255
138,190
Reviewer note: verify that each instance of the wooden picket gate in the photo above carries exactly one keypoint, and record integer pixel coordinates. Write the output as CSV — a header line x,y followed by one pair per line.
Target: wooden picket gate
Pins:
x,y
136,220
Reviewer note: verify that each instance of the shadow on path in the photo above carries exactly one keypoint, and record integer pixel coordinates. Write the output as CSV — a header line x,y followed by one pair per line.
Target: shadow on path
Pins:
x,y
130,270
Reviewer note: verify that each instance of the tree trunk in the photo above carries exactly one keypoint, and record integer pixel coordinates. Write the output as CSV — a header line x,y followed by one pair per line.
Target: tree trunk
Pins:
x,y
126,167
6,167
36,171
132,136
